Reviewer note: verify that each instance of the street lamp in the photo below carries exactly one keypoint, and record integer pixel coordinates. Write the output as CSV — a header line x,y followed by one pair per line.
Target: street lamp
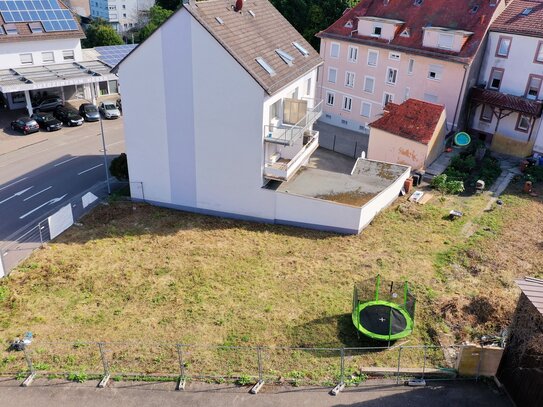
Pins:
x,y
103,145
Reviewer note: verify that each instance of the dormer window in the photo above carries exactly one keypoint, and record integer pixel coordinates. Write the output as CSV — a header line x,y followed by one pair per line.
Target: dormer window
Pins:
x,y
445,41
11,29
405,33
349,24
35,27
377,30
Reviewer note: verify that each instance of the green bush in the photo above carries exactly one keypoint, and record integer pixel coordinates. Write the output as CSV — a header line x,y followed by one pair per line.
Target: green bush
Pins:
x,y
534,173
446,186
119,167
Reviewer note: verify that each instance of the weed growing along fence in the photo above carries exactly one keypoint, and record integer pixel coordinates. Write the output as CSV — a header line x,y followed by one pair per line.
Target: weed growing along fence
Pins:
x,y
242,364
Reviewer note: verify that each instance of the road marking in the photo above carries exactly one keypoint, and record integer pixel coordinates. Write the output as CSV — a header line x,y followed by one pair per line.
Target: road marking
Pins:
x,y
15,194
37,193
65,161
112,144
13,183
51,202
90,169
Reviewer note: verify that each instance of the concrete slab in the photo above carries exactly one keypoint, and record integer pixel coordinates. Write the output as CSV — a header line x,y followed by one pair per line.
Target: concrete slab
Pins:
x,y
329,177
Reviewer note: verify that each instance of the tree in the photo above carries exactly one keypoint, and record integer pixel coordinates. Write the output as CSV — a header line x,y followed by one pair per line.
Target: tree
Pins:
x,y
157,15
119,167
100,33
169,4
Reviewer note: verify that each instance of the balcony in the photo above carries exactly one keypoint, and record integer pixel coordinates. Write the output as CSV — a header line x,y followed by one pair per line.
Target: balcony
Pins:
x,y
281,168
287,134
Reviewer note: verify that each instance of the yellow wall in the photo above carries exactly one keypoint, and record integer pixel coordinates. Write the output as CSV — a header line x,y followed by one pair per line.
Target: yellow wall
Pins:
x,y
506,145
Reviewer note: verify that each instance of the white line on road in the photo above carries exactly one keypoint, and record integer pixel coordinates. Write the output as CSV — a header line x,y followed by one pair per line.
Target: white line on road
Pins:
x,y
15,194
13,183
52,201
90,169
37,193
65,161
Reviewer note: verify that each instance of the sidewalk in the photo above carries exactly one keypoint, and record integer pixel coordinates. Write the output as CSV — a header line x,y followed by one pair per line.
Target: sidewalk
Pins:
x,y
61,393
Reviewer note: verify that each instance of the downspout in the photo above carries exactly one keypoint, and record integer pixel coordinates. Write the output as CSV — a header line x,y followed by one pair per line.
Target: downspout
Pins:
x,y
460,96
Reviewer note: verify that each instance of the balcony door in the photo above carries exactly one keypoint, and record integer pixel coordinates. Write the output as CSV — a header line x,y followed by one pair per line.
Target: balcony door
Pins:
x,y
294,110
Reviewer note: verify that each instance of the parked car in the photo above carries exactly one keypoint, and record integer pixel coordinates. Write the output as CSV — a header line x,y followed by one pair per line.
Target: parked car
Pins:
x,y
47,121
68,116
25,125
109,110
47,104
89,112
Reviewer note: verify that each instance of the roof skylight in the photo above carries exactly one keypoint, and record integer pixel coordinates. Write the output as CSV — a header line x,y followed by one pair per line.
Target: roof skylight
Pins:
x,y
35,27
302,50
219,20
526,11
11,29
287,58
265,65
252,13
417,2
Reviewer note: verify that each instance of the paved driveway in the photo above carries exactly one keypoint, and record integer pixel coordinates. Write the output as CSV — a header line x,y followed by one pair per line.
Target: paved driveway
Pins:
x,y
59,393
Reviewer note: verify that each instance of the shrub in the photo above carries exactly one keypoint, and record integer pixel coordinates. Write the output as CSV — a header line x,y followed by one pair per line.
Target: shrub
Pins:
x,y
446,186
534,173
119,167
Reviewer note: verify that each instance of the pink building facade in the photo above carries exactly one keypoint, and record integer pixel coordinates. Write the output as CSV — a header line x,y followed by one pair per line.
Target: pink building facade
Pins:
x,y
390,51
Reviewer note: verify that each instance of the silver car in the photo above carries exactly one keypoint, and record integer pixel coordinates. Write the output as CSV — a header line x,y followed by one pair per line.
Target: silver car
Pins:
x,y
109,110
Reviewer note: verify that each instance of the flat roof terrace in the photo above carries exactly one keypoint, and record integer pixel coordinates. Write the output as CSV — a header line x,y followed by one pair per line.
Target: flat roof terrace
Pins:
x,y
334,177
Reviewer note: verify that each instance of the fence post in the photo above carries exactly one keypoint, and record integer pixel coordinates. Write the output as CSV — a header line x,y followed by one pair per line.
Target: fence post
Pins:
x,y
399,361
182,380
32,373
3,271
334,144
41,236
256,388
105,378
335,391
355,148
424,363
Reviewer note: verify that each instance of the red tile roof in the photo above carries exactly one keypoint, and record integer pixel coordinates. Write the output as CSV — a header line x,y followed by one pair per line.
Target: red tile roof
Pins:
x,y
436,13
414,119
509,102
512,21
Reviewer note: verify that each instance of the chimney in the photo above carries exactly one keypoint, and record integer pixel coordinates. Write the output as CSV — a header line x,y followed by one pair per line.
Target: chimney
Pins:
x,y
239,5
483,18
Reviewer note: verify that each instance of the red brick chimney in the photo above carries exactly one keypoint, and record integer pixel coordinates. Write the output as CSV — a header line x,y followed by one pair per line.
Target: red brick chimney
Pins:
x,y
239,5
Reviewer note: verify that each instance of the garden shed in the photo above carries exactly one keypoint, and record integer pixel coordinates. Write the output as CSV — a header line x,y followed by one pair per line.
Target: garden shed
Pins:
x,y
412,133
521,368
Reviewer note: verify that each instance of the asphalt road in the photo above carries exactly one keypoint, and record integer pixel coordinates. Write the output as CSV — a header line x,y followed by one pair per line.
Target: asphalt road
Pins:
x,y
37,178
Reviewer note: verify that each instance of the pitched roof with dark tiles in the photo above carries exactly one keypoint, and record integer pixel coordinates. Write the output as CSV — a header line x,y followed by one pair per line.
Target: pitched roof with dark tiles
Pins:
x,y
247,37
414,120
509,102
25,34
454,15
512,21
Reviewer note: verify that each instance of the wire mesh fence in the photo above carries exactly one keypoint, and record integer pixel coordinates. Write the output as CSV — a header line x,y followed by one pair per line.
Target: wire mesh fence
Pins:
x,y
242,364
19,245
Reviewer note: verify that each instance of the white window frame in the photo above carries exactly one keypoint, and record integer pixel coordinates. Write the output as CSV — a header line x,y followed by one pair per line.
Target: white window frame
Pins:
x,y
349,83
376,53
389,69
344,104
68,55
353,54
410,66
362,109
376,25
366,78
332,44
385,96
330,98
330,69
445,45
46,60
394,56
26,59
308,87
438,72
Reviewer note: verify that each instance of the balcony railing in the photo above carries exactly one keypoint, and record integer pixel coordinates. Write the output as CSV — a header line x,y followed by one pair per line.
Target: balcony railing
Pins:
x,y
288,134
283,170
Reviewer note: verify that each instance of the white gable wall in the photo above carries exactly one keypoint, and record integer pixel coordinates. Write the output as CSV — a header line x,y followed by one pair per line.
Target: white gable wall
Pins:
x,y
193,123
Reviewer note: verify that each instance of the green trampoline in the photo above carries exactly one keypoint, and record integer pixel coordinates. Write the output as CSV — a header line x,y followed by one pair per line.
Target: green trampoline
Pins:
x,y
383,310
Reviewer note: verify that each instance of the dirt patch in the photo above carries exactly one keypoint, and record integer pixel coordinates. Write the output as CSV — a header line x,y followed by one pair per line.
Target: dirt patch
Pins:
x,y
354,198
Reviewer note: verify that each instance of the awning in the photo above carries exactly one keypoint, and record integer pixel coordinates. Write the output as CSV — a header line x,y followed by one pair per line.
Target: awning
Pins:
x,y
54,75
508,102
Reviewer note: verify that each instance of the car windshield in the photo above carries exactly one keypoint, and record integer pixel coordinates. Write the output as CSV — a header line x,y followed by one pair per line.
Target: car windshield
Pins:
x,y
72,115
31,123
110,106
90,109
49,119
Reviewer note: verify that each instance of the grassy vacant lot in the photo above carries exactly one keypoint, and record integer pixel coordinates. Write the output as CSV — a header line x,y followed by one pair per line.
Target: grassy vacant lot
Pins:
x,y
136,272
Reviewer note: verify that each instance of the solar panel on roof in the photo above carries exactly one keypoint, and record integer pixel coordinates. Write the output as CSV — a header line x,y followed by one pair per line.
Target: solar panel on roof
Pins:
x,y
48,12
113,54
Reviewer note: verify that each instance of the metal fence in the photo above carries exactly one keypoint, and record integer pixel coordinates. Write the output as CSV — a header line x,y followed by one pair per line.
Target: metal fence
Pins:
x,y
19,245
244,364
343,145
